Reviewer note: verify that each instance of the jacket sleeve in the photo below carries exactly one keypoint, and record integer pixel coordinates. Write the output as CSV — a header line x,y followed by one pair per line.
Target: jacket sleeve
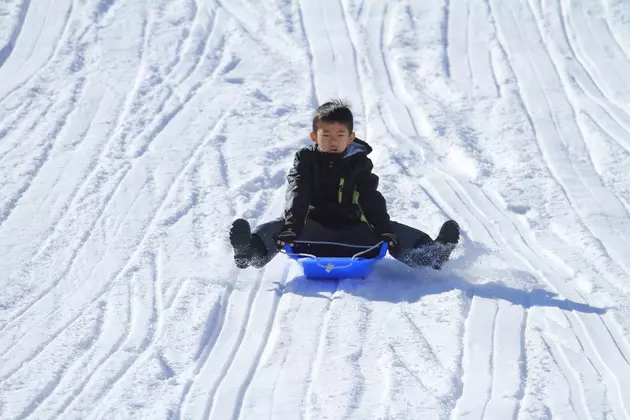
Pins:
x,y
372,202
298,194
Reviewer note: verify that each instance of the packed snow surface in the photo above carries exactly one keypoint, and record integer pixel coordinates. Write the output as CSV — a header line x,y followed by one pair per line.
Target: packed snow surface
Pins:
x,y
133,132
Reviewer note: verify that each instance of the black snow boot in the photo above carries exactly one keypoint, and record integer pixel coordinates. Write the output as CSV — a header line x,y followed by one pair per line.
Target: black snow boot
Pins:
x,y
445,243
241,240
449,233
248,249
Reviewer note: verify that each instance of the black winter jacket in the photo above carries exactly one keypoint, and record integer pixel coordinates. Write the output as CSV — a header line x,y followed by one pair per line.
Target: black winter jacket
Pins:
x,y
315,188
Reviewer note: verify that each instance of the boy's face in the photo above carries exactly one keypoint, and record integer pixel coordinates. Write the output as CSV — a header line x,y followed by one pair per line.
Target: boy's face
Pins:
x,y
332,137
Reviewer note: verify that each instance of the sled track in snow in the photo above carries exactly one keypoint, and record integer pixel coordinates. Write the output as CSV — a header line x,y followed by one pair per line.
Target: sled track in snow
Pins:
x,y
317,361
597,329
124,159
7,49
51,50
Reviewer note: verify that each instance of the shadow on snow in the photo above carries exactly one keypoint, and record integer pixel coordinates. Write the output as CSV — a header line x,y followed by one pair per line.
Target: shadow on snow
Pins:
x,y
394,282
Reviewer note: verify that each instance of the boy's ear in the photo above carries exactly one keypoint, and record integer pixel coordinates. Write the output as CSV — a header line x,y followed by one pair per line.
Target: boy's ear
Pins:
x,y
352,137
314,136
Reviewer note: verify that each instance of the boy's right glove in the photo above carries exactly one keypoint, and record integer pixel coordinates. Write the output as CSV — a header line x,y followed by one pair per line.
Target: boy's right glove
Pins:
x,y
285,237
390,238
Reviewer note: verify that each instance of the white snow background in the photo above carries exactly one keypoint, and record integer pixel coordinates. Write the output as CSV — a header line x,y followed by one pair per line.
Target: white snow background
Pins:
x,y
133,132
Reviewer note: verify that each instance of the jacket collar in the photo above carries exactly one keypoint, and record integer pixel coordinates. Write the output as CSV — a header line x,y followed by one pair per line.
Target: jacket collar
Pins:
x,y
358,146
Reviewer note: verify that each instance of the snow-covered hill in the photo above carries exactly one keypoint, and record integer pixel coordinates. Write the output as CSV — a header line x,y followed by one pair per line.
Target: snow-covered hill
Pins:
x,y
133,132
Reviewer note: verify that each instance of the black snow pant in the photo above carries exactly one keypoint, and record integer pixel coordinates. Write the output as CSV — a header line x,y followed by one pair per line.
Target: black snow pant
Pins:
x,y
415,248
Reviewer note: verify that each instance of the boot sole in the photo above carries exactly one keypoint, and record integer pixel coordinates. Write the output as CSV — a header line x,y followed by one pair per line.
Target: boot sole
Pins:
x,y
449,233
240,239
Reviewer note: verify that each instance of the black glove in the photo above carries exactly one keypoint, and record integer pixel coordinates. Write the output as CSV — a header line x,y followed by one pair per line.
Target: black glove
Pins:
x,y
287,236
390,238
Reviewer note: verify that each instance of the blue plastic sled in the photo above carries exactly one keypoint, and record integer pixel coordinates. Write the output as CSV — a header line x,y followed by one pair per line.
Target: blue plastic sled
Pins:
x,y
337,267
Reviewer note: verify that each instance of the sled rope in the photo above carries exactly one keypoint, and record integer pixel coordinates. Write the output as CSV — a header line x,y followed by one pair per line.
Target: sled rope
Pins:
x,y
337,243
330,267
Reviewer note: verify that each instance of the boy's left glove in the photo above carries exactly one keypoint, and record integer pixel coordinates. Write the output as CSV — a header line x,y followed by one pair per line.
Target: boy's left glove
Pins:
x,y
285,237
384,232
390,238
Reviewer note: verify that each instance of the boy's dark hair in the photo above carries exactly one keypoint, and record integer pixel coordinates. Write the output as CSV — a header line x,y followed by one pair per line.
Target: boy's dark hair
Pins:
x,y
336,110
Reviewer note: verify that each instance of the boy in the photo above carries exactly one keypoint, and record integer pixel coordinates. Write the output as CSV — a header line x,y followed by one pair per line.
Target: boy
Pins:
x,y
333,197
